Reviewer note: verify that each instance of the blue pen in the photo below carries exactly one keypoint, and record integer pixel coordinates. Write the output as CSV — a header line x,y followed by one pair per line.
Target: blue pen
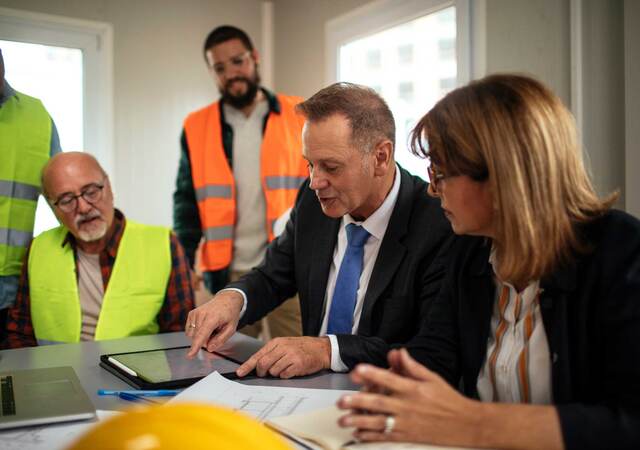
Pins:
x,y
142,393
135,398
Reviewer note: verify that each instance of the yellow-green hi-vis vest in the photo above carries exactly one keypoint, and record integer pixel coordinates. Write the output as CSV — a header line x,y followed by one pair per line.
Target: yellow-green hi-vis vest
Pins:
x,y
133,298
25,145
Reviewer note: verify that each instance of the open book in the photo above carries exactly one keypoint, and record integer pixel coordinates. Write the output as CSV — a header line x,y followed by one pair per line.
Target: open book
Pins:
x,y
319,430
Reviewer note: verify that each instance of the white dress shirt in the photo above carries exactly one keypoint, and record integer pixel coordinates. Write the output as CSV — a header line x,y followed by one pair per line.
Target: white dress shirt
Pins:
x,y
517,368
376,224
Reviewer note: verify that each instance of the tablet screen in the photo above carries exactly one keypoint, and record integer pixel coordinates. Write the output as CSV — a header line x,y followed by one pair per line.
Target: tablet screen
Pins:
x,y
158,366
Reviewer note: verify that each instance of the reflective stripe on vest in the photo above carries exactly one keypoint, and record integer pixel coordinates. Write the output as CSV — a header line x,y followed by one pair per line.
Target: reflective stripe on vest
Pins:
x,y
15,238
25,144
218,233
20,191
280,182
134,296
282,170
213,191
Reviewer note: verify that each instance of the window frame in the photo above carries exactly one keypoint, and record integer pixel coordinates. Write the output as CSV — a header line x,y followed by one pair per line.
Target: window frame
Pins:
x,y
383,14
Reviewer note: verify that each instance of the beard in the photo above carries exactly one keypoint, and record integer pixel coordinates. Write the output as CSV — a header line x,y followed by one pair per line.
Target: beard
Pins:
x,y
242,100
95,231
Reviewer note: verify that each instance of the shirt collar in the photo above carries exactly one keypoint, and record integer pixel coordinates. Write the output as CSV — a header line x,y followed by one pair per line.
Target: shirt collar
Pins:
x,y
7,93
118,226
376,224
274,103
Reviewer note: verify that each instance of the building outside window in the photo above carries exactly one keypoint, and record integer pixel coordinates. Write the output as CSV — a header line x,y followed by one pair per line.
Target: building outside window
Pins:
x,y
415,65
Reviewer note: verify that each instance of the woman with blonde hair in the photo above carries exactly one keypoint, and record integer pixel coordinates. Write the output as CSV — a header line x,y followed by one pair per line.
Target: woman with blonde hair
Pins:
x,y
538,319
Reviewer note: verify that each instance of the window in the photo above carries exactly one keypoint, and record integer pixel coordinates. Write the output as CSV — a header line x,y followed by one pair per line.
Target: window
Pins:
x,y
405,91
60,91
418,47
447,48
405,54
446,84
373,59
66,63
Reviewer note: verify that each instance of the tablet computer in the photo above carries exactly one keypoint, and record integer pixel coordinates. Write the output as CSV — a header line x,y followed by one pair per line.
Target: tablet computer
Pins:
x,y
168,367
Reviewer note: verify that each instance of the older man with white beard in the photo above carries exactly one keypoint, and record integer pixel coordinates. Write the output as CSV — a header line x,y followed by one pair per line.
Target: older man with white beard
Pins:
x,y
97,276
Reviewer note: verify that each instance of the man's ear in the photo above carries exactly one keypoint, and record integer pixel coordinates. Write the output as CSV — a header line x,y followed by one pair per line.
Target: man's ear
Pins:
x,y
255,56
383,157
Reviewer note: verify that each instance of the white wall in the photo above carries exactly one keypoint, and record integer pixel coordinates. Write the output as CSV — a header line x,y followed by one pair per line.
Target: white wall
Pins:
x,y
300,42
530,36
159,77
604,94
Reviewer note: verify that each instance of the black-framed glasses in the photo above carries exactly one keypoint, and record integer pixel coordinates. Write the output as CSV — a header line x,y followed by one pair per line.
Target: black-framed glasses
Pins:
x,y
235,61
91,194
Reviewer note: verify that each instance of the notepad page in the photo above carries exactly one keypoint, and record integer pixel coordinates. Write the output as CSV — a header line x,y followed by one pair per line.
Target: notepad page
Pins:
x,y
321,427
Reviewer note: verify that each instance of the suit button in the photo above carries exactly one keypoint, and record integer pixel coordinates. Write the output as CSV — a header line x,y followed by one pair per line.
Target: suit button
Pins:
x,y
554,358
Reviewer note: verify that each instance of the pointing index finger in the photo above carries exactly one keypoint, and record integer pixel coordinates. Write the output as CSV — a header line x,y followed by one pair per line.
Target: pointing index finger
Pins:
x,y
202,334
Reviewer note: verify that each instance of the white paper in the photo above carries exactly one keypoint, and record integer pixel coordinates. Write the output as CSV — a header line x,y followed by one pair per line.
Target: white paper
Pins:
x,y
261,402
47,437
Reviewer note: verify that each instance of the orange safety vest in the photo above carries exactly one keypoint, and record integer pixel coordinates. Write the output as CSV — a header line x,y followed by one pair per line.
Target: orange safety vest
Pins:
x,y
282,169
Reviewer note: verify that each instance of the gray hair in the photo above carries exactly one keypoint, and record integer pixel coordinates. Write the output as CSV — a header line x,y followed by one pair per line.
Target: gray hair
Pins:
x,y
369,115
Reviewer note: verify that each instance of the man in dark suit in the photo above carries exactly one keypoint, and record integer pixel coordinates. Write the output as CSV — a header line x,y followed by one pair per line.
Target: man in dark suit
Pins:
x,y
363,248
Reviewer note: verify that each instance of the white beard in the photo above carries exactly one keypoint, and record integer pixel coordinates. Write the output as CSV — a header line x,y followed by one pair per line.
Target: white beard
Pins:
x,y
93,235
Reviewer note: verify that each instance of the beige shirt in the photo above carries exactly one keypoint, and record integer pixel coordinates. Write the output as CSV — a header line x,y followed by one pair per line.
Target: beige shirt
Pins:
x,y
250,233
90,291
517,368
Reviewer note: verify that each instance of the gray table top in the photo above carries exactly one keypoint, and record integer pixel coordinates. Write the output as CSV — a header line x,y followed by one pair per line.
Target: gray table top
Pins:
x,y
85,358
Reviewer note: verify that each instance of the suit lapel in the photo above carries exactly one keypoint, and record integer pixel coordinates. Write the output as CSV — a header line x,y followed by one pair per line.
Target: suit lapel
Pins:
x,y
554,308
391,253
477,300
325,236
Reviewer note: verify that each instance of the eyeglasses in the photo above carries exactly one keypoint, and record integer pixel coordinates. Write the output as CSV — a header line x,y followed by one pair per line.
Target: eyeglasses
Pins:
x,y
236,61
91,194
435,177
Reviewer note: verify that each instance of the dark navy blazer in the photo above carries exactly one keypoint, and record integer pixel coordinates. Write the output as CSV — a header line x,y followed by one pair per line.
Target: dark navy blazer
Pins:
x,y
591,314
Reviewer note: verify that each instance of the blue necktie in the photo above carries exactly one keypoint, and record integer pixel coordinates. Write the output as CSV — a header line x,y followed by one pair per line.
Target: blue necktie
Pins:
x,y
344,295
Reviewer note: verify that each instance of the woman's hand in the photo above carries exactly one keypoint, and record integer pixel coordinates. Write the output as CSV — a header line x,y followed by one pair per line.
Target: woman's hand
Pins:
x,y
423,406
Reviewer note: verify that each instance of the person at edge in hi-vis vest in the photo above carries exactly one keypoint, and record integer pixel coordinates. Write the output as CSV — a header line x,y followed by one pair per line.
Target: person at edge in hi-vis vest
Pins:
x,y
240,169
28,137
97,276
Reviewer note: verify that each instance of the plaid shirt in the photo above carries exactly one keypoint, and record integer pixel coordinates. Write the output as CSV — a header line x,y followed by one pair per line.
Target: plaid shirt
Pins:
x,y
178,300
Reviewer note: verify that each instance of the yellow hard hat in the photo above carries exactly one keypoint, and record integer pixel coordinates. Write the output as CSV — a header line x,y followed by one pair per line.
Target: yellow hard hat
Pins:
x,y
188,426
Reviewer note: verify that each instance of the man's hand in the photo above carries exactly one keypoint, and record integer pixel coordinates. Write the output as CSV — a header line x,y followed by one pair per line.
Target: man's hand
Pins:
x,y
289,357
211,324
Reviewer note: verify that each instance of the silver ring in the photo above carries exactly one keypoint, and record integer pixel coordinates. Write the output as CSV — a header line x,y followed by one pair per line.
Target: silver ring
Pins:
x,y
389,424
192,325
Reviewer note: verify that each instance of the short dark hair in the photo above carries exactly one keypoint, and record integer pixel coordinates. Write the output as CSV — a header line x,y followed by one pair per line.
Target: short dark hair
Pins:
x,y
367,112
225,33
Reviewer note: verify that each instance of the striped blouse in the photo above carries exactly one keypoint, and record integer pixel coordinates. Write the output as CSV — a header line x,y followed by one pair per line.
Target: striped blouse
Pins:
x,y
517,368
